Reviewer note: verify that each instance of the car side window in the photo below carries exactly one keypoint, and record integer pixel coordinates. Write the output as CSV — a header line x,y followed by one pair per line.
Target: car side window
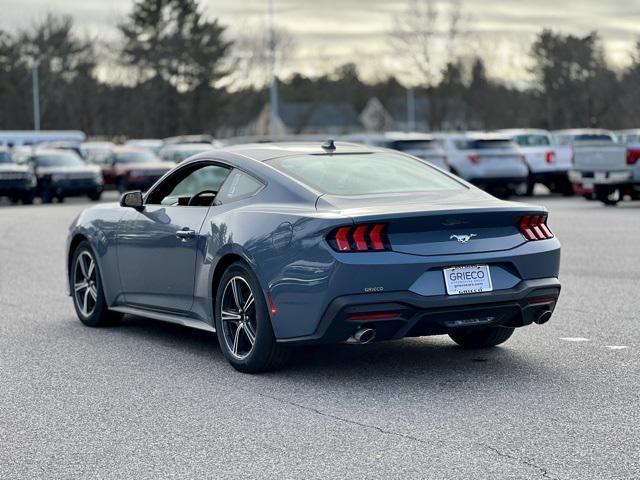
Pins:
x,y
239,185
192,186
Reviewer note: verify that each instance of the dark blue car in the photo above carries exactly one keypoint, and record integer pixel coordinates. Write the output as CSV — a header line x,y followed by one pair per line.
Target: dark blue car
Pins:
x,y
276,245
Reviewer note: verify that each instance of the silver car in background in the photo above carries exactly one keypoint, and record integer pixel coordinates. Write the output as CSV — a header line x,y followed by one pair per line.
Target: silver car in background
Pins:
x,y
181,151
420,145
549,164
490,161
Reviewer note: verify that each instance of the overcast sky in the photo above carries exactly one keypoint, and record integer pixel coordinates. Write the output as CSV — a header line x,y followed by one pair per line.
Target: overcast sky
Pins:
x,y
331,32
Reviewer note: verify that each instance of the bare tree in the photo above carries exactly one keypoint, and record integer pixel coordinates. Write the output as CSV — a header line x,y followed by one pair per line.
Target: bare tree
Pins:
x,y
252,60
426,36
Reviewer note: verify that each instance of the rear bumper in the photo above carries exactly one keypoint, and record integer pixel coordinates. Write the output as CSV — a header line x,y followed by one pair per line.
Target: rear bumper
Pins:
x,y
588,179
550,177
407,314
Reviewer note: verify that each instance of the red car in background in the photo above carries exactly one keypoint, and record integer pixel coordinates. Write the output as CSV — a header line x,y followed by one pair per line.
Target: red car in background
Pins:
x,y
131,168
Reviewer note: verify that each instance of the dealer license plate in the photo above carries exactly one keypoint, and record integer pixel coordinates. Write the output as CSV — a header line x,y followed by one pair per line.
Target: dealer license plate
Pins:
x,y
468,279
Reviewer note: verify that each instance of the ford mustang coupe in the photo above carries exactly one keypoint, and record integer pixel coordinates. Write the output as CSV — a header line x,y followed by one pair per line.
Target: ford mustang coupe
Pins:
x,y
275,245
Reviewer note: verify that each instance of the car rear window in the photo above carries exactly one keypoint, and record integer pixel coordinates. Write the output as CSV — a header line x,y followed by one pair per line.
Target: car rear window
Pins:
x,y
66,159
364,174
532,140
483,144
412,145
143,156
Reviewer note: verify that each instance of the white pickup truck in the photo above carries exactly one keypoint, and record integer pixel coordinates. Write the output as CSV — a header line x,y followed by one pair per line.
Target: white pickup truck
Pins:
x,y
599,163
549,164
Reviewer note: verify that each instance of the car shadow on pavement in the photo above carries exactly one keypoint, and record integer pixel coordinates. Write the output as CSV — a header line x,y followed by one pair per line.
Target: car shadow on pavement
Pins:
x,y
434,358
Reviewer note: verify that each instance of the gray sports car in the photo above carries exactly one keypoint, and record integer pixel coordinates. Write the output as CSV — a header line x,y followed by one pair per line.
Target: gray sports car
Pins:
x,y
276,245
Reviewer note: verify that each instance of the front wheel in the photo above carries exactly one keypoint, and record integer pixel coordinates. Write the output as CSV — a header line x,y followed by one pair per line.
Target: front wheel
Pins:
x,y
243,323
86,289
483,338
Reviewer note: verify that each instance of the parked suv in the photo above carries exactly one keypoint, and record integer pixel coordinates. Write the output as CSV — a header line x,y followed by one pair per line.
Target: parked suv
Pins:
x,y
549,164
62,173
133,168
17,182
490,161
600,163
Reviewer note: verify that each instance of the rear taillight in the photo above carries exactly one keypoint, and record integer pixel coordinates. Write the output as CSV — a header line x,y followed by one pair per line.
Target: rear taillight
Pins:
x,y
360,238
534,227
633,154
474,159
550,157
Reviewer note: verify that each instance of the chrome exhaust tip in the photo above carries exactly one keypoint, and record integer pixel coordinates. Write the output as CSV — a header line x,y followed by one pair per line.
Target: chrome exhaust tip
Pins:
x,y
364,335
543,318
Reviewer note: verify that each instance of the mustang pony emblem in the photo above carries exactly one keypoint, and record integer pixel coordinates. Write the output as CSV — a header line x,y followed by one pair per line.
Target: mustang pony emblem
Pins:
x,y
463,238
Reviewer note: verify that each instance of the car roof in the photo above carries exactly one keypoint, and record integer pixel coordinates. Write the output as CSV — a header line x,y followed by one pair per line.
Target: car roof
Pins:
x,y
583,131
269,151
188,146
523,131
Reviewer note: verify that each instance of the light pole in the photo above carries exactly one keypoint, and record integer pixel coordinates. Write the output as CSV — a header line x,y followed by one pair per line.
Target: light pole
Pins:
x,y
411,109
273,93
36,94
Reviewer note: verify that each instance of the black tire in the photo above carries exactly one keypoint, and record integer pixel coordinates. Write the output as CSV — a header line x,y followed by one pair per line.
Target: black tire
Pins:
x,y
27,198
121,185
95,196
99,315
483,338
608,196
530,187
60,199
265,353
47,196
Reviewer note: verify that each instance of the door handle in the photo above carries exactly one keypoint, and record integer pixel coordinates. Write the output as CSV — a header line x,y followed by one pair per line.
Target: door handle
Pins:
x,y
185,234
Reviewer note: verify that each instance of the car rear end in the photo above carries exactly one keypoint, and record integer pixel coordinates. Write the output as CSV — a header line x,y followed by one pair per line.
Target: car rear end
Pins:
x,y
394,264
425,148
547,165
599,163
493,163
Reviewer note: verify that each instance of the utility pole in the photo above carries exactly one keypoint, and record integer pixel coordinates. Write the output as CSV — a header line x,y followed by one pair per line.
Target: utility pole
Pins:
x,y
411,110
273,93
36,94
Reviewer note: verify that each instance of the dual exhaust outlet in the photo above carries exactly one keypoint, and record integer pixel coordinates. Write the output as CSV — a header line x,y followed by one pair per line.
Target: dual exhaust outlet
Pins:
x,y
367,335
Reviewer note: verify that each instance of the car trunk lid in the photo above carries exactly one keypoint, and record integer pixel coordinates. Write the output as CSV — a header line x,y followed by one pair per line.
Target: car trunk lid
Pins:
x,y
439,224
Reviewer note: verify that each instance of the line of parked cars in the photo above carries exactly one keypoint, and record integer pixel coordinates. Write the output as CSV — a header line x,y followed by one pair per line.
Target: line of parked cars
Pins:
x,y
56,169
598,164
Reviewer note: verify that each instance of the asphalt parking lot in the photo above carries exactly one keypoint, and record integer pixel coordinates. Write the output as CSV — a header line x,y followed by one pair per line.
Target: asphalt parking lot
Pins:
x,y
152,400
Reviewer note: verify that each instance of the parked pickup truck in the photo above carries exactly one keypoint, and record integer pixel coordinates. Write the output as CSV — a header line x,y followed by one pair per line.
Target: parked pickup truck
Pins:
x,y
549,164
600,163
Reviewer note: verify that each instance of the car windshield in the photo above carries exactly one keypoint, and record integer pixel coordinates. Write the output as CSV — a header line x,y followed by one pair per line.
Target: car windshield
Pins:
x,y
484,144
584,137
5,157
143,156
532,140
62,159
364,174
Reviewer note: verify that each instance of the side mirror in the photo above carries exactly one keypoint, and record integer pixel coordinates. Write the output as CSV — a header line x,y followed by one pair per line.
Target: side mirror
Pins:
x,y
132,200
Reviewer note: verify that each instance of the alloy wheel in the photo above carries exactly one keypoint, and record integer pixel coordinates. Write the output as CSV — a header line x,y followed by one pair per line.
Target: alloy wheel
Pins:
x,y
84,283
238,315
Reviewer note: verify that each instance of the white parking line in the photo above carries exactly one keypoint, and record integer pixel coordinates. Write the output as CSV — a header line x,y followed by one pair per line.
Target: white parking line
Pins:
x,y
574,339
616,347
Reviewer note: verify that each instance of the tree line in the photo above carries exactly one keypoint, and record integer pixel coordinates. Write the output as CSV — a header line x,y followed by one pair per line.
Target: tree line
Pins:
x,y
175,63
